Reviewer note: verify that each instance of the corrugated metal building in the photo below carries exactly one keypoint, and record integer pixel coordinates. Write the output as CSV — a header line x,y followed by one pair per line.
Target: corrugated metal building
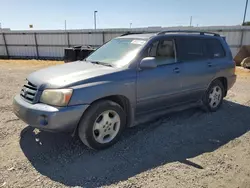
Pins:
x,y
51,43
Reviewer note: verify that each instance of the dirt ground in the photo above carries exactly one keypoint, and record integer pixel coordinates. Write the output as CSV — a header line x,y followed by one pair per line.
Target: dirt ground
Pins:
x,y
184,149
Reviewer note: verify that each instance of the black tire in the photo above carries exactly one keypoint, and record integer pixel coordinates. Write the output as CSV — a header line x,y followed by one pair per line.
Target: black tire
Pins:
x,y
85,129
205,100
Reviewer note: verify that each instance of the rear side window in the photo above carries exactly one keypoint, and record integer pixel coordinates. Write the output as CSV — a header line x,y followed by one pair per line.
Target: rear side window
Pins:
x,y
190,49
215,48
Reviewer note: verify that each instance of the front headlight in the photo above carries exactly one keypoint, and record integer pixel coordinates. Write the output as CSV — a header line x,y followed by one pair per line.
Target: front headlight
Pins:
x,y
56,97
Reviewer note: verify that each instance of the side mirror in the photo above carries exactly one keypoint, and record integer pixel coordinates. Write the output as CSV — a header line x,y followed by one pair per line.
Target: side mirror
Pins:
x,y
148,63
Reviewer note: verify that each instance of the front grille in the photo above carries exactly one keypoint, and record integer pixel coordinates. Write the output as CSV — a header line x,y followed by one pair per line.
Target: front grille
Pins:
x,y
28,92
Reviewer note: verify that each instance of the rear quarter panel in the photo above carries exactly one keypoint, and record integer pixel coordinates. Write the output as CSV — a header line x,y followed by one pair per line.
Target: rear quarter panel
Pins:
x,y
225,66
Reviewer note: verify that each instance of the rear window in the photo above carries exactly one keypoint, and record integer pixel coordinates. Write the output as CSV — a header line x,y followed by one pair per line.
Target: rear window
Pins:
x,y
214,48
190,49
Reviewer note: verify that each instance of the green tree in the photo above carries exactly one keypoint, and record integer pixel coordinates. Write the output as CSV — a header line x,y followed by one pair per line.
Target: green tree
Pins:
x,y
246,23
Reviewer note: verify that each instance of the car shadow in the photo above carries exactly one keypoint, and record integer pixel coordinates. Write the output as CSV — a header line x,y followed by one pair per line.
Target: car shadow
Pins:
x,y
172,137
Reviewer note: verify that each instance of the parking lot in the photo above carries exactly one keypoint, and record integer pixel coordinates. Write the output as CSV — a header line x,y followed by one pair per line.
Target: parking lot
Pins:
x,y
184,149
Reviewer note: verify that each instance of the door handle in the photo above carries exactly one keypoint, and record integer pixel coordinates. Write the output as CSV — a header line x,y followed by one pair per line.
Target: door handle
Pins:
x,y
176,70
209,64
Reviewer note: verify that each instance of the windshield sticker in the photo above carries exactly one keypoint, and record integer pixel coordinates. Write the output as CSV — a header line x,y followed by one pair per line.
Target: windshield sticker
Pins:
x,y
141,42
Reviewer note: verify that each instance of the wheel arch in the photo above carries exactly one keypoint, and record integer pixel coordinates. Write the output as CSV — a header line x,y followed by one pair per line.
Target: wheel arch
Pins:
x,y
224,82
123,101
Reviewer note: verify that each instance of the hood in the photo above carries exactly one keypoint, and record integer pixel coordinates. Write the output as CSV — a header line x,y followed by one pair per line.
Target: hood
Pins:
x,y
67,74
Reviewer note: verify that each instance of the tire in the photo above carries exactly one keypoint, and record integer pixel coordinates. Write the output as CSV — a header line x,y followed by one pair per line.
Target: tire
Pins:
x,y
216,87
102,118
245,62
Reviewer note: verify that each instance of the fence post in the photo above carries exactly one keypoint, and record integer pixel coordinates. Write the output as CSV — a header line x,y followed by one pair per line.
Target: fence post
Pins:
x,y
68,39
37,52
5,44
103,37
241,38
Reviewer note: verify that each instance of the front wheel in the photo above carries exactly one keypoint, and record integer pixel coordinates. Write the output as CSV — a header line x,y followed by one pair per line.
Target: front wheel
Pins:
x,y
214,96
102,124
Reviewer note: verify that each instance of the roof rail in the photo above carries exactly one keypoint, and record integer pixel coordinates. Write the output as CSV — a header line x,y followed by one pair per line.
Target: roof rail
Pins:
x,y
131,33
188,31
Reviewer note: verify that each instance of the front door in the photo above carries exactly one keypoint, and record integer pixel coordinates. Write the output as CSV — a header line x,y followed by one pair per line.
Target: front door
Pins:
x,y
159,87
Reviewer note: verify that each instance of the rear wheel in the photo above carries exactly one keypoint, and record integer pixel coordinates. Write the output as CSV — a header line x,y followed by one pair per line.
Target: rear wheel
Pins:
x,y
102,125
214,96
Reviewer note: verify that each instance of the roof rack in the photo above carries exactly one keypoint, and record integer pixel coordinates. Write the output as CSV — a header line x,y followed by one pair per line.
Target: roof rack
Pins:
x,y
188,31
131,33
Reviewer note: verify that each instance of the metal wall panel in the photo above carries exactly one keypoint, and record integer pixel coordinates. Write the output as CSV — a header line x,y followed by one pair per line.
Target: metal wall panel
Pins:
x,y
109,36
232,38
1,39
89,37
22,51
19,39
86,39
51,51
2,51
246,38
52,39
234,51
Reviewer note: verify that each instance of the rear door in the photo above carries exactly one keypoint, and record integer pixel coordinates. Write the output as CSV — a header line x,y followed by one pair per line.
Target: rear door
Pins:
x,y
198,68
216,53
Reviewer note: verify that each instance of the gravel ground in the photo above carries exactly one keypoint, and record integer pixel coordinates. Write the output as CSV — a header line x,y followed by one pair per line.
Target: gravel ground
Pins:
x,y
185,149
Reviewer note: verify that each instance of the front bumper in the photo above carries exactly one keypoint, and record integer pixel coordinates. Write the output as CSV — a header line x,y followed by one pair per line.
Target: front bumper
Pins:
x,y
46,117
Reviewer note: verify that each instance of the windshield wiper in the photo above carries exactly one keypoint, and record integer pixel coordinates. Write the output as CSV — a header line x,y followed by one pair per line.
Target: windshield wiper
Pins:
x,y
101,63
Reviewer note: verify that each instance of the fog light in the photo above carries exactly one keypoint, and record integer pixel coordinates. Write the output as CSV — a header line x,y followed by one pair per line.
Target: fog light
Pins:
x,y
43,120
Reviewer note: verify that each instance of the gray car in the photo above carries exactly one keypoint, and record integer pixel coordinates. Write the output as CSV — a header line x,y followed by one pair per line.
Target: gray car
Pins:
x,y
130,76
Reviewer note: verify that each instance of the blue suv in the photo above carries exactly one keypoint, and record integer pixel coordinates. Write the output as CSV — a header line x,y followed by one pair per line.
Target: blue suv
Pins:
x,y
130,76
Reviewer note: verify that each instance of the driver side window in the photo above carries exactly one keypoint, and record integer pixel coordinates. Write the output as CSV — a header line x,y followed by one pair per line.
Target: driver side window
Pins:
x,y
163,51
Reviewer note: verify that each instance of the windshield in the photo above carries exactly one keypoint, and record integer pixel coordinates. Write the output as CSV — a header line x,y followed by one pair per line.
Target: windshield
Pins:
x,y
117,52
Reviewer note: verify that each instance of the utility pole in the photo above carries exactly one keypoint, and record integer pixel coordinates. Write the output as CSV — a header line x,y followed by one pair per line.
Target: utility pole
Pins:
x,y
95,18
130,25
244,18
191,18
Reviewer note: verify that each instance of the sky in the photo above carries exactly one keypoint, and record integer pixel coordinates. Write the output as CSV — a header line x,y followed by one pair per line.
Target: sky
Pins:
x,y
51,14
